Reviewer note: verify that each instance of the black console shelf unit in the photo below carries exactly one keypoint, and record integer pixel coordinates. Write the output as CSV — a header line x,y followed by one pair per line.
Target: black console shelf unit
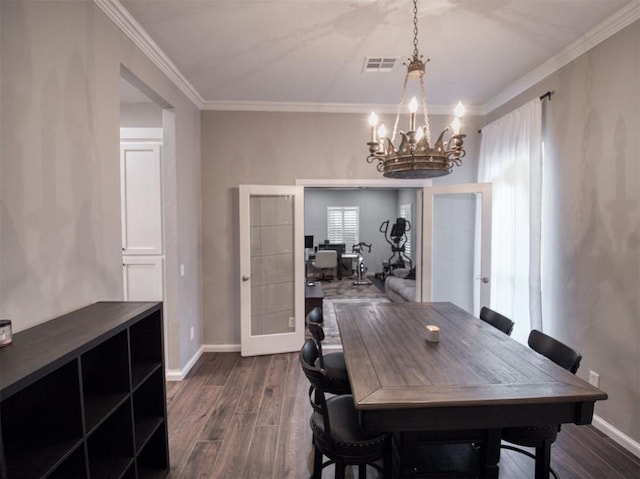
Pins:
x,y
83,396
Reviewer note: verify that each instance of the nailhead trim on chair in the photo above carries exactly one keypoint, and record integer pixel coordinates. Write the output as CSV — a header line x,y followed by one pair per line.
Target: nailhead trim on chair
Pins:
x,y
351,444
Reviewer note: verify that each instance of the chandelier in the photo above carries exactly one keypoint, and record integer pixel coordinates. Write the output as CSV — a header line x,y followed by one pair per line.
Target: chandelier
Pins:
x,y
416,157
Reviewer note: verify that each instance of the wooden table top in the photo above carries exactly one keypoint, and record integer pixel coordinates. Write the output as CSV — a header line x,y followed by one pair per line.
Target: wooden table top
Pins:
x,y
391,365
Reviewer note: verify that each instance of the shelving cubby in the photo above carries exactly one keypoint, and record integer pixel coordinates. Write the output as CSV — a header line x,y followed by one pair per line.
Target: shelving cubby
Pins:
x,y
105,378
41,424
110,446
146,348
83,396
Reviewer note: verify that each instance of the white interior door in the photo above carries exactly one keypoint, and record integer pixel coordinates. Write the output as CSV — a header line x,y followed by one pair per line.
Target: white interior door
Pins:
x,y
457,245
271,269
141,191
143,278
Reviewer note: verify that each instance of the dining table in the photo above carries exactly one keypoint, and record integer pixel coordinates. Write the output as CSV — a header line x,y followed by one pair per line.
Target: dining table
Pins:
x,y
471,377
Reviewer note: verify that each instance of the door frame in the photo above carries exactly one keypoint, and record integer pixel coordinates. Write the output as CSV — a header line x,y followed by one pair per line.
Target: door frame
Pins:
x,y
482,271
393,184
251,345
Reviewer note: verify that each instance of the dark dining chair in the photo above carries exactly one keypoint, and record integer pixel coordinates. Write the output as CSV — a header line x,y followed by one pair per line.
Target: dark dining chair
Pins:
x,y
496,320
541,437
333,363
335,424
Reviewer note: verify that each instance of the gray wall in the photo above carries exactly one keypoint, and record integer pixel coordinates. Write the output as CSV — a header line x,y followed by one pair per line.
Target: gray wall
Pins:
x,y
60,230
591,218
140,115
281,148
375,206
59,187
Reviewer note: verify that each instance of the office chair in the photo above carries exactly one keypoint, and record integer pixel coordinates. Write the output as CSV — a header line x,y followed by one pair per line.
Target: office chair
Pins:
x,y
337,380
325,260
496,320
541,437
335,424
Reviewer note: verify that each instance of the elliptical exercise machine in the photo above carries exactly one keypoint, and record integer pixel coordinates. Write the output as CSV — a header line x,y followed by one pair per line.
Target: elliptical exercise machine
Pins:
x,y
362,269
397,239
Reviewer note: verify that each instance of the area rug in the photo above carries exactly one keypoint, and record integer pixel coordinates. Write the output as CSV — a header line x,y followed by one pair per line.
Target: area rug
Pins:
x,y
331,333
345,289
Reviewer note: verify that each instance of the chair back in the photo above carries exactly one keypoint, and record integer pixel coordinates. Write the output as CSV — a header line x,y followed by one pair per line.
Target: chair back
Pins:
x,y
315,324
326,259
496,320
309,355
558,352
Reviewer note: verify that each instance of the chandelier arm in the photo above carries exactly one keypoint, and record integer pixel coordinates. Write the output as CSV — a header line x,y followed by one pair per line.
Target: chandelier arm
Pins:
x,y
425,111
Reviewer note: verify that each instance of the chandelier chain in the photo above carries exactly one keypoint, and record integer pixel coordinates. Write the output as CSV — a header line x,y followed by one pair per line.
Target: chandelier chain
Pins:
x,y
415,29
399,109
427,128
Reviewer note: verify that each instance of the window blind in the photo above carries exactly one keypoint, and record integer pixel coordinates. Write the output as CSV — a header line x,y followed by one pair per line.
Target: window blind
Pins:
x,y
343,225
405,212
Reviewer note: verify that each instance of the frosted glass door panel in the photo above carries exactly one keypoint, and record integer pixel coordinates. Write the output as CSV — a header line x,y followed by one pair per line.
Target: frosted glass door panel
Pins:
x,y
454,232
457,245
272,269
272,272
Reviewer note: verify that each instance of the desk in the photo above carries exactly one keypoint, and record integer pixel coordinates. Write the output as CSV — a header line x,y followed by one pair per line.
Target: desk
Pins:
x,y
348,259
313,296
475,378
342,259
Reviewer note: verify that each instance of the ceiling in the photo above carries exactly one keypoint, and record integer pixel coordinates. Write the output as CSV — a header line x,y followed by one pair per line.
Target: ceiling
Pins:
x,y
264,53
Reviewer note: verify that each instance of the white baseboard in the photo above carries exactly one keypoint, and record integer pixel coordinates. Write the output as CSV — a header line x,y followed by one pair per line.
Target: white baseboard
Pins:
x,y
618,436
180,374
221,348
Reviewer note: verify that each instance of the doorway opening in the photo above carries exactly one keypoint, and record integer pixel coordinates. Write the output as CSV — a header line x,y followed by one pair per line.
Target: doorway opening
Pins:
x,y
366,274
361,225
147,156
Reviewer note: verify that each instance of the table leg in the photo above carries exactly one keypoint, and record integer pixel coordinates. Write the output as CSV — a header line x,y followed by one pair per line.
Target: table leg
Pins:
x,y
543,460
492,454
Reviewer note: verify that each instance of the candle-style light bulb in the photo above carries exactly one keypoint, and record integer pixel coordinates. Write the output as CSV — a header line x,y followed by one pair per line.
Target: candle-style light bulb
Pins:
x,y
373,121
419,134
459,110
382,132
455,124
413,107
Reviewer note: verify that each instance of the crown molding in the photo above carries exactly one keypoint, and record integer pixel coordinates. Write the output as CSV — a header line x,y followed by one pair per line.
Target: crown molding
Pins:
x,y
301,107
123,19
612,25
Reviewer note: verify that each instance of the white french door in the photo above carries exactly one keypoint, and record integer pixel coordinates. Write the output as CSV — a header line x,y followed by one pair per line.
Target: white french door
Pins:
x,y
457,245
271,269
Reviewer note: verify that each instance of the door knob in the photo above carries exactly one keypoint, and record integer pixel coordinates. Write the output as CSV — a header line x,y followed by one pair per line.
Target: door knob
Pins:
x,y
246,278
484,279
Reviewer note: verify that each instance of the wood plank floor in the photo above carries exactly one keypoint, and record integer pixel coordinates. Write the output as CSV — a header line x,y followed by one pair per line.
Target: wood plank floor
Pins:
x,y
237,418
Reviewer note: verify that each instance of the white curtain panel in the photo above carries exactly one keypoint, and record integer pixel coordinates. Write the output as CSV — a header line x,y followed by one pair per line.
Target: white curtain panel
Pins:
x,y
511,160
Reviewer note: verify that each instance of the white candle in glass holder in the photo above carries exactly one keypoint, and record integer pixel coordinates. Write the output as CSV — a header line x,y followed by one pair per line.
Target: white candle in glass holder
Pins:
x,y
433,333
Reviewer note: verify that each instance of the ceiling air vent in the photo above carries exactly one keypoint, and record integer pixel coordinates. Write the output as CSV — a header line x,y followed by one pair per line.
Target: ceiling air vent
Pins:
x,y
380,64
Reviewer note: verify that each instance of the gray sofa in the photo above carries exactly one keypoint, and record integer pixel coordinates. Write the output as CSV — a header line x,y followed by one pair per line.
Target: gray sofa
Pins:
x,y
398,288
